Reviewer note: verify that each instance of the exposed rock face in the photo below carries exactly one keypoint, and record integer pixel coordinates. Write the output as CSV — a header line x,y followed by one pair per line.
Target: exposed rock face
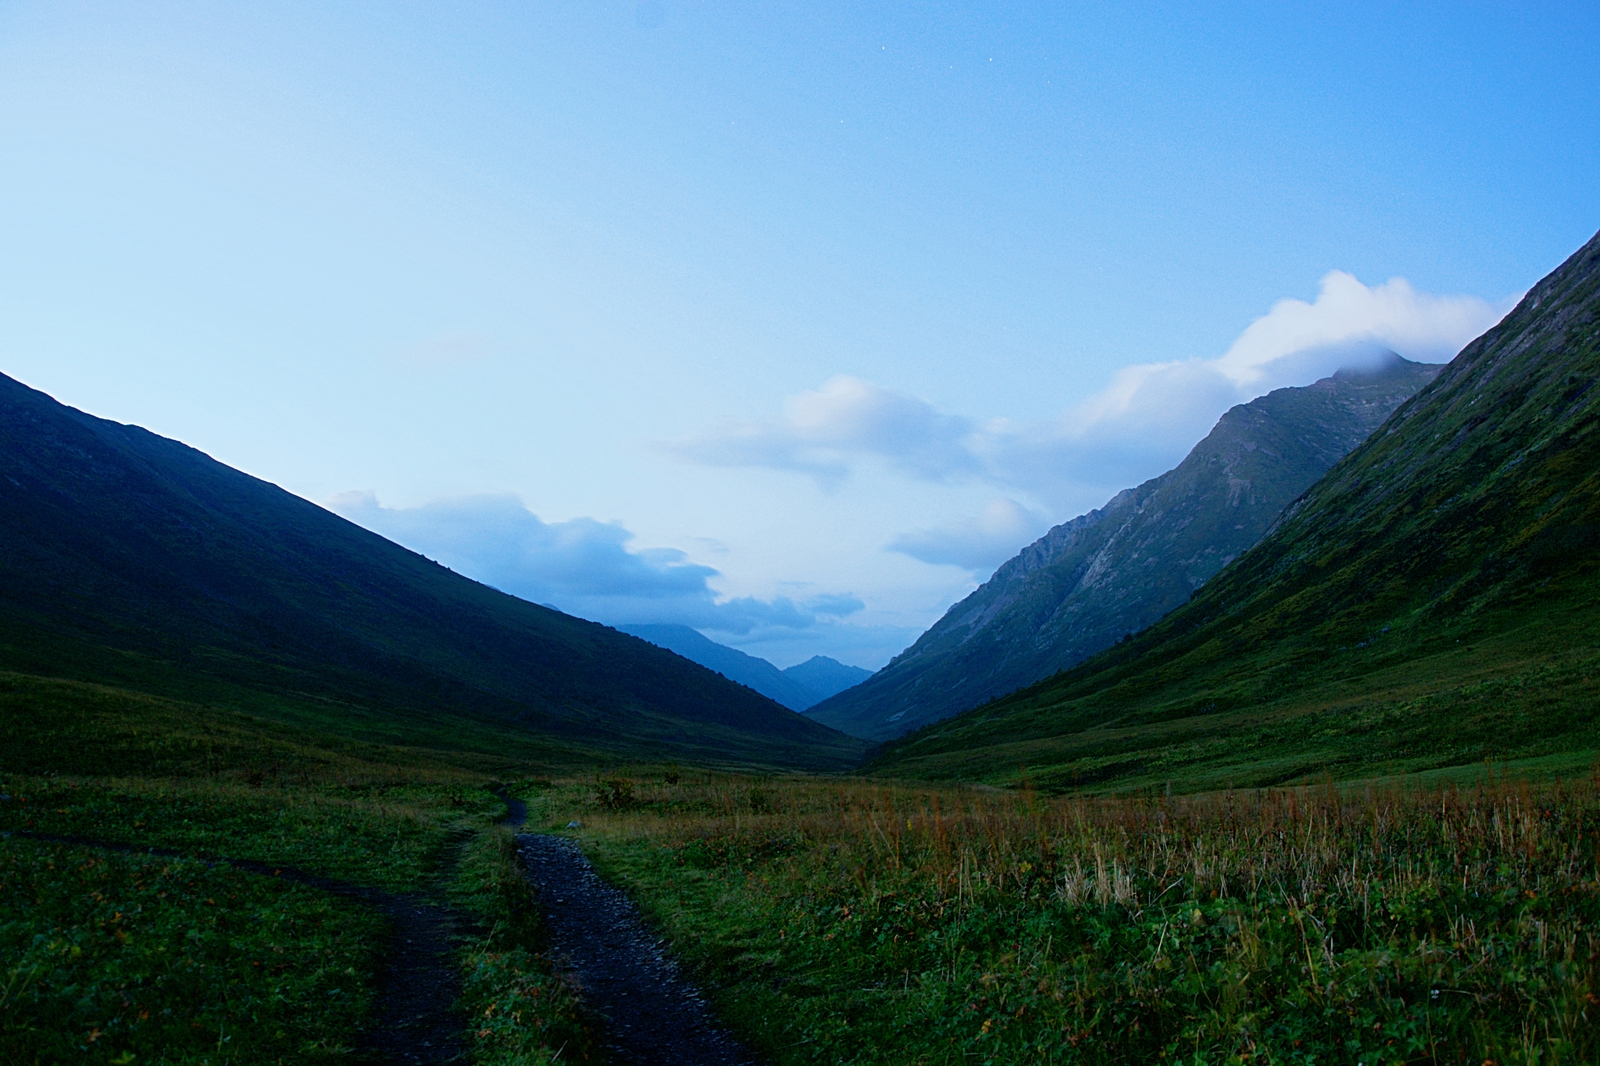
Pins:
x,y
1432,601
1093,580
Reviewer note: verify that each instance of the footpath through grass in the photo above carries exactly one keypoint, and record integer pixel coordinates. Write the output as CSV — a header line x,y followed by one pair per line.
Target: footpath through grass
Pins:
x,y
112,956
864,923
518,1012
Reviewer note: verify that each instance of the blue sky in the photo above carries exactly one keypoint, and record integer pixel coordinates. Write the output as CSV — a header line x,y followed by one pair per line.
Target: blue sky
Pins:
x,y
787,321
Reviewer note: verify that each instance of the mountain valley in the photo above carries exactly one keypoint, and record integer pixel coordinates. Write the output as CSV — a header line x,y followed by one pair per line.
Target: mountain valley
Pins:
x,y
1432,601
796,687
1099,578
133,561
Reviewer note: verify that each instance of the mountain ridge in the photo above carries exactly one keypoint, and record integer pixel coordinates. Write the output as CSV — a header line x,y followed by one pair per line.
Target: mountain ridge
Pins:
x,y
1094,579
749,670
133,560
1432,601
795,687
826,676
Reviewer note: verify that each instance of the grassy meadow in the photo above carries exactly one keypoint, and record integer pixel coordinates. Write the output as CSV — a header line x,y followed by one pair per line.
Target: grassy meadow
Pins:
x,y
118,956
864,922
1440,918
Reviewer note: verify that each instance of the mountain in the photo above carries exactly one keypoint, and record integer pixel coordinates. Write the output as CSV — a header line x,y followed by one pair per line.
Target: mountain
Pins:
x,y
731,663
1432,602
134,561
1090,582
797,687
825,676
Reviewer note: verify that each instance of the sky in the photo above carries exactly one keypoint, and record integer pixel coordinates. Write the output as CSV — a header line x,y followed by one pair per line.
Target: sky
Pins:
x,y
788,322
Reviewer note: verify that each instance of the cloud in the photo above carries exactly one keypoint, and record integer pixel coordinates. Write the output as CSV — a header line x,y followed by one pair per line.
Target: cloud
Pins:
x,y
978,543
1142,422
581,566
835,605
822,432
1392,315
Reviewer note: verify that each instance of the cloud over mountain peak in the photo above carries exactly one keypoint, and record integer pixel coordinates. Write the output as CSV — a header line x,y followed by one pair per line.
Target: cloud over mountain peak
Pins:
x,y
1142,421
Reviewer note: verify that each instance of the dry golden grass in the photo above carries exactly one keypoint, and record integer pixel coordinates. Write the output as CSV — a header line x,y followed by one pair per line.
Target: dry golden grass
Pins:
x,y
1383,923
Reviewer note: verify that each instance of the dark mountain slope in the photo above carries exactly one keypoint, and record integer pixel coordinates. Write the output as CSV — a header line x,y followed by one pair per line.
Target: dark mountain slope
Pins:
x,y
826,676
733,664
133,560
1090,582
1432,601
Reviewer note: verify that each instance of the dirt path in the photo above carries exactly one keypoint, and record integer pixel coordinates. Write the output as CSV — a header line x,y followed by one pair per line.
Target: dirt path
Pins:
x,y
415,1023
650,1014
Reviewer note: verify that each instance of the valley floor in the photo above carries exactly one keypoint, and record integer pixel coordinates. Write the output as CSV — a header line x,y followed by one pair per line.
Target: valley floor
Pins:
x,y
1453,918
861,922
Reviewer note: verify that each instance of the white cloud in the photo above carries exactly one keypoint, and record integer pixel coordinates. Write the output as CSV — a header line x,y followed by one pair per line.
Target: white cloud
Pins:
x,y
1141,423
977,543
1429,329
823,432
581,566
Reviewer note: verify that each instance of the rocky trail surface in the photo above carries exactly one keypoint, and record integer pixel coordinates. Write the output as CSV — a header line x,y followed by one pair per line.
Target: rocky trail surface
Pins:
x,y
650,1014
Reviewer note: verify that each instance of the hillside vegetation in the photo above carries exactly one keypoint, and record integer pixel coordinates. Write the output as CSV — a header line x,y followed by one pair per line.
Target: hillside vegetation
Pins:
x,y
111,953
1432,601
1090,582
847,922
132,560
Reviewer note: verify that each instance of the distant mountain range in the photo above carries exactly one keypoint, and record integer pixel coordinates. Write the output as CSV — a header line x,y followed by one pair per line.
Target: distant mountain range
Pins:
x,y
131,560
797,687
1433,601
1091,582
826,676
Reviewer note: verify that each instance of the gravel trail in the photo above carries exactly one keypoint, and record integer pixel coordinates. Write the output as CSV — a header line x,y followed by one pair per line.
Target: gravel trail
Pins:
x,y
651,1014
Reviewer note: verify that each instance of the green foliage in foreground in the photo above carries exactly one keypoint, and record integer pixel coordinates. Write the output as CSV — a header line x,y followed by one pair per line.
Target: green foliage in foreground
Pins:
x,y
119,958
858,925
106,954
519,1012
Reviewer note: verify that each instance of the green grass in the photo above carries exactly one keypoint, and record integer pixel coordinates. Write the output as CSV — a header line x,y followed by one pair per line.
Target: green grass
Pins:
x,y
103,949
119,958
1524,695
66,726
386,840
519,1012
865,923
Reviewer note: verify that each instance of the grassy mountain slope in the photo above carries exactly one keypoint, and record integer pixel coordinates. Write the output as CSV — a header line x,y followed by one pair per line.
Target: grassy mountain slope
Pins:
x,y
1434,600
1091,581
135,561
